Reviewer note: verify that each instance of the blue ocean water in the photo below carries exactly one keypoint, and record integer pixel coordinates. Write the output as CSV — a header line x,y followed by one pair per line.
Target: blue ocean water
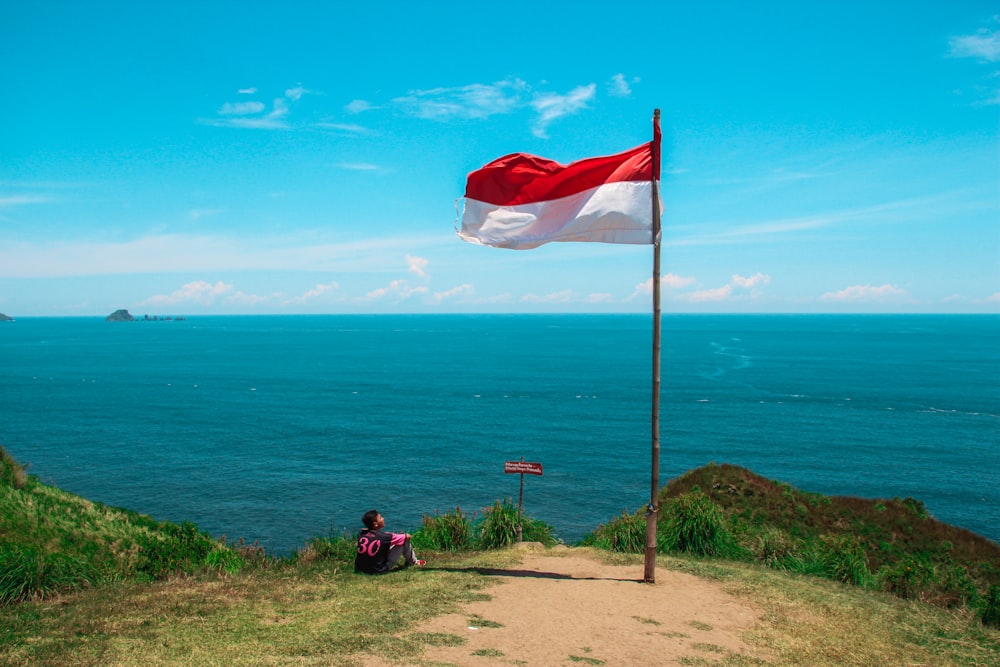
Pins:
x,y
281,428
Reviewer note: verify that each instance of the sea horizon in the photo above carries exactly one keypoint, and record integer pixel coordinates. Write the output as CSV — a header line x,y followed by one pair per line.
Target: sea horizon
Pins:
x,y
279,428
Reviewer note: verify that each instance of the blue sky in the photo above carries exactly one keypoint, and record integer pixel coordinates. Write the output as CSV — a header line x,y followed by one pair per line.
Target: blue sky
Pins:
x,y
305,157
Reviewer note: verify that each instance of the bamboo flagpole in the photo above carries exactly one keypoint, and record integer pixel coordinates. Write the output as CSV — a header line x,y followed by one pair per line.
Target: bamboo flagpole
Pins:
x,y
653,510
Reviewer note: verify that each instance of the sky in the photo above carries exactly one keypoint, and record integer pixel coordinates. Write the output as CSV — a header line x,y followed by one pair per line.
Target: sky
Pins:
x,y
297,157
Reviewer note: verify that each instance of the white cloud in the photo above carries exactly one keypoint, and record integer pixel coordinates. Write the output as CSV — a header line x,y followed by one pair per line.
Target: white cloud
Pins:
x,y
357,166
349,128
177,253
246,299
717,294
295,94
198,291
669,281
397,289
459,292
252,114
418,265
475,100
751,281
552,106
478,100
19,200
565,296
247,91
865,293
599,297
358,106
241,108
984,45
314,293
619,86
993,298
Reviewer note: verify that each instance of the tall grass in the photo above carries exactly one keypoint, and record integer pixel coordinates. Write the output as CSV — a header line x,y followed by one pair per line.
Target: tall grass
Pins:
x,y
692,523
445,532
498,527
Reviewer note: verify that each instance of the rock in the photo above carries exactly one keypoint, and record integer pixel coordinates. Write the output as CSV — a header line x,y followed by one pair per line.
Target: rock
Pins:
x,y
5,318
121,315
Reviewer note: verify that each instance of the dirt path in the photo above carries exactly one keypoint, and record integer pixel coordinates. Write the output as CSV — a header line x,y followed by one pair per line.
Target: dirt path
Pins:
x,y
562,607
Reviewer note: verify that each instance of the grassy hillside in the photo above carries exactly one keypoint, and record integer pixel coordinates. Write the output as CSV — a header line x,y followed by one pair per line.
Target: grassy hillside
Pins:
x,y
891,545
82,583
52,541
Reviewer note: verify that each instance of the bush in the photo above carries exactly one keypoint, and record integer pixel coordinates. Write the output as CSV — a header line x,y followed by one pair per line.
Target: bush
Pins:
x,y
776,549
448,532
990,611
906,578
27,573
843,559
339,548
176,548
625,534
11,472
694,524
498,527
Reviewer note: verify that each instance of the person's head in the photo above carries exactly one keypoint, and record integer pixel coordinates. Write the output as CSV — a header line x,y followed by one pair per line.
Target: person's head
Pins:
x,y
372,519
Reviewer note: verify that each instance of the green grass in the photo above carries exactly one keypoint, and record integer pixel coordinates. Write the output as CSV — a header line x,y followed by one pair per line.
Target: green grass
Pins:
x,y
89,584
890,545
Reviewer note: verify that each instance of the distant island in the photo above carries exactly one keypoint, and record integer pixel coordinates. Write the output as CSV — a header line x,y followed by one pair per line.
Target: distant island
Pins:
x,y
6,318
122,315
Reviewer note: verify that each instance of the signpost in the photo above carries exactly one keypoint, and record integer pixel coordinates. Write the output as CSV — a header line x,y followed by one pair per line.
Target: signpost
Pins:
x,y
522,468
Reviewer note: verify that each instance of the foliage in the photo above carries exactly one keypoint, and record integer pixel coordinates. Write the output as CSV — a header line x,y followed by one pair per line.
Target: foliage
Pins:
x,y
498,527
774,548
625,533
26,572
445,532
990,610
840,558
893,544
54,541
694,524
337,548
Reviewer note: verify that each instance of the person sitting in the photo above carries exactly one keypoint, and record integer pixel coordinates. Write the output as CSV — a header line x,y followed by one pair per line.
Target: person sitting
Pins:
x,y
380,550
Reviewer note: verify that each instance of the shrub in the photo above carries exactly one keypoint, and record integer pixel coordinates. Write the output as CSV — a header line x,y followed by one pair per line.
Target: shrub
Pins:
x,y
448,532
339,548
696,525
844,559
625,534
224,560
498,527
906,578
774,548
11,472
990,610
27,573
176,548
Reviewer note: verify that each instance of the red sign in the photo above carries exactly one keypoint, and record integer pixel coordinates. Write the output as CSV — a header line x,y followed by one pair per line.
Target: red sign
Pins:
x,y
522,467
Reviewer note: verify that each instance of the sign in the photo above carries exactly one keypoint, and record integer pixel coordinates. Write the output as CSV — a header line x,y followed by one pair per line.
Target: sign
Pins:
x,y
522,467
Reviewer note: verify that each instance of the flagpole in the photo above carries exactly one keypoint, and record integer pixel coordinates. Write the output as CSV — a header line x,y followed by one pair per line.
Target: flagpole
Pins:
x,y
653,510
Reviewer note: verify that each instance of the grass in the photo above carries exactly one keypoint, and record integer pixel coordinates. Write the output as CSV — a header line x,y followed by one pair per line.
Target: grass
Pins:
x,y
108,586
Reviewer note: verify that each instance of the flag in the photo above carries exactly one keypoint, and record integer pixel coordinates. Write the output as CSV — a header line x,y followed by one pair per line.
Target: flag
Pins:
x,y
521,201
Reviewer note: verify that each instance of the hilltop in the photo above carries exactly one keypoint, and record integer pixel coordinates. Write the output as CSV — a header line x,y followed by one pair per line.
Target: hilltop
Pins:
x,y
111,586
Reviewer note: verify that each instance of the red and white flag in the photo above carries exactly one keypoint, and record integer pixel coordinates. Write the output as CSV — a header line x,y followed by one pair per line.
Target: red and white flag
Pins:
x,y
521,201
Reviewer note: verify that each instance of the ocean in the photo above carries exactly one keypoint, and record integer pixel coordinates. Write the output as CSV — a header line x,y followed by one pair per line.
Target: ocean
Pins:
x,y
281,428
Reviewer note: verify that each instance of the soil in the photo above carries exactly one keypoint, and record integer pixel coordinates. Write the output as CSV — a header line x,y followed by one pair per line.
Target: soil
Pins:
x,y
565,607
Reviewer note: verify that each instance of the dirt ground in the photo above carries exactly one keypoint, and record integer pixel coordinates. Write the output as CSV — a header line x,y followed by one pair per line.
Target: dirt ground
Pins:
x,y
563,607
